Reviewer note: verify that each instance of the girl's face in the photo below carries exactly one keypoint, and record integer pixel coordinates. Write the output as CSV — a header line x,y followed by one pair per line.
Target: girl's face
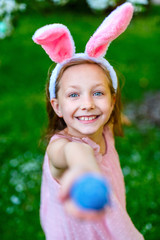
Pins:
x,y
84,100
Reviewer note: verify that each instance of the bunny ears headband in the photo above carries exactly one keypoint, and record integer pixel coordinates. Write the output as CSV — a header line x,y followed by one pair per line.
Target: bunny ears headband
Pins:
x,y
58,43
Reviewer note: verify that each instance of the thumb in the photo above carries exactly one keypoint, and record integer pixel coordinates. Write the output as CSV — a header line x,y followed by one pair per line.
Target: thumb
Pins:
x,y
67,181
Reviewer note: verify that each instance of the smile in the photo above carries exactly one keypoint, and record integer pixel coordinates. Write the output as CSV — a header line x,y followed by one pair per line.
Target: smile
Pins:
x,y
87,118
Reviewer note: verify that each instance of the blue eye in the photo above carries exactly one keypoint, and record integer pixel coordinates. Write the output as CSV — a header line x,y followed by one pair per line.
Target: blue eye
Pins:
x,y
73,95
98,94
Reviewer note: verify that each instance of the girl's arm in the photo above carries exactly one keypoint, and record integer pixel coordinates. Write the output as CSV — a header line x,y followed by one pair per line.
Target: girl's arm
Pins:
x,y
64,155
68,161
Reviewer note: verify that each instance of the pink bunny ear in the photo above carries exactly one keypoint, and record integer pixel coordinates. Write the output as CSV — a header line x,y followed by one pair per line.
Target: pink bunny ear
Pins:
x,y
115,24
56,40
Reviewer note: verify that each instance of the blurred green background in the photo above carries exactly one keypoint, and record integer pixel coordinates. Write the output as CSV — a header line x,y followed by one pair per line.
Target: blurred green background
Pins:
x,y
23,72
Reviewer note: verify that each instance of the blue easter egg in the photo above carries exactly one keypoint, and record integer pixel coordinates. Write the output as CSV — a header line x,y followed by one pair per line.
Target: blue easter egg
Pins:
x,y
90,192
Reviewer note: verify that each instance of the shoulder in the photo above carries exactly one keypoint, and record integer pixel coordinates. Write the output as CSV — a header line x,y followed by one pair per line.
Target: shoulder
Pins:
x,y
57,142
61,154
55,153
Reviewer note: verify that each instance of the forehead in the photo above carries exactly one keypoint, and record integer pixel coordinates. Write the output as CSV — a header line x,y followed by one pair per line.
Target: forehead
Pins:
x,y
85,73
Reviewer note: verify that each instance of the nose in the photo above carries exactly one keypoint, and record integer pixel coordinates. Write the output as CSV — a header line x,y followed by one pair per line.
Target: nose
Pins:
x,y
87,103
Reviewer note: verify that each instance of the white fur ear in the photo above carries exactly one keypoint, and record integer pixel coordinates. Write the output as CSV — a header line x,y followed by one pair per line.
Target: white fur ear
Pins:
x,y
56,107
115,24
56,40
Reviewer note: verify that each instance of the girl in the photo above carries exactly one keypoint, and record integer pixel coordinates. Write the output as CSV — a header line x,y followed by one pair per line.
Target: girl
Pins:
x,y
84,114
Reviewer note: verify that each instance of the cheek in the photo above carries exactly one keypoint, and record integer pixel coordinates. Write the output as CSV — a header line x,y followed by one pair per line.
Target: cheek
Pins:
x,y
106,103
107,107
67,108
70,105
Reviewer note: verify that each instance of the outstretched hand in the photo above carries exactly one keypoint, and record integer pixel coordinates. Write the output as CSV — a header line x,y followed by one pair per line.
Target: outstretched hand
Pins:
x,y
77,210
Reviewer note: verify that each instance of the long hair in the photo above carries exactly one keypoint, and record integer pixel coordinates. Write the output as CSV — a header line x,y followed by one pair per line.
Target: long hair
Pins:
x,y
56,124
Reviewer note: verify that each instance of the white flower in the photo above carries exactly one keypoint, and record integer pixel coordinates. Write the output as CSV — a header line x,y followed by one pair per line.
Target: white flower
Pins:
x,y
100,4
10,6
5,27
15,200
7,8
143,2
60,2
22,6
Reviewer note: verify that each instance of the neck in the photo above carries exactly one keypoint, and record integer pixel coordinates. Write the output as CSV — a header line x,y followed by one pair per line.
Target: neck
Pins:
x,y
97,137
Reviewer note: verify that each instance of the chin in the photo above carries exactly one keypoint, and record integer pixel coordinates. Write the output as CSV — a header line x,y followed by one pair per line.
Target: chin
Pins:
x,y
88,132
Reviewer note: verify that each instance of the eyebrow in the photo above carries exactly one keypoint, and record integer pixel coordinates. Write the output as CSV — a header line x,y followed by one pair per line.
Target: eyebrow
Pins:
x,y
99,85
73,86
96,85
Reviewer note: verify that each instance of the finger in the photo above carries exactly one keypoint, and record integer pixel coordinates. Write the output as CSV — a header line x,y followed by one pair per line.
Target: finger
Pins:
x,y
82,214
67,181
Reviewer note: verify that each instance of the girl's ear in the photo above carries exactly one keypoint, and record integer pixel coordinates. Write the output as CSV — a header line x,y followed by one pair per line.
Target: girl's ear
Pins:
x,y
113,101
56,107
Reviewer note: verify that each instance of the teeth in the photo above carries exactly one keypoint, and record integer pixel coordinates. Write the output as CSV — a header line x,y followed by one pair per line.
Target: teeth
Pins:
x,y
87,118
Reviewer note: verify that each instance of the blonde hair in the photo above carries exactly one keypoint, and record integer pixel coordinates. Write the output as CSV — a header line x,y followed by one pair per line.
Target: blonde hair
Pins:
x,y
56,124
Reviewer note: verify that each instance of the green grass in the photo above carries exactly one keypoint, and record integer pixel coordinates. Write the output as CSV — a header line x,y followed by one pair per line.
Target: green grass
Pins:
x,y
140,160
23,71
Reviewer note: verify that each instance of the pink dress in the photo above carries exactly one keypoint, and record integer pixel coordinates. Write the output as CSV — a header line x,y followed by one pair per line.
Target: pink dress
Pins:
x,y
116,225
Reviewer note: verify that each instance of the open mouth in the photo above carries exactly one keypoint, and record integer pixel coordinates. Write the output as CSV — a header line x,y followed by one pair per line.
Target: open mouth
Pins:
x,y
87,118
